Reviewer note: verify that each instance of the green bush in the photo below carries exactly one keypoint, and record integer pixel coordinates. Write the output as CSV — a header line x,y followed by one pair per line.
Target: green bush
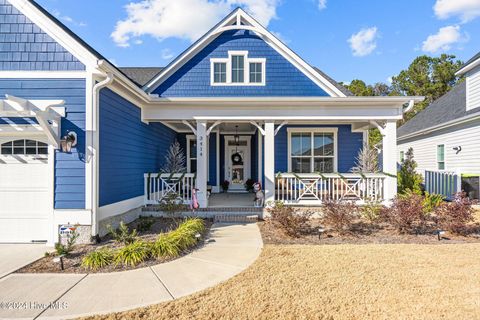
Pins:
x,y
133,253
371,211
145,224
408,178
431,201
165,246
66,249
123,234
98,259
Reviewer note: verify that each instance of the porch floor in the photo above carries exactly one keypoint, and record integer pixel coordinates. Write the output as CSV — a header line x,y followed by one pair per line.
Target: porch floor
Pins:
x,y
232,200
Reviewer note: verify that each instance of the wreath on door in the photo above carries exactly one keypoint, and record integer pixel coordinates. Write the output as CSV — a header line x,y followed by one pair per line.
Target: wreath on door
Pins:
x,y
237,159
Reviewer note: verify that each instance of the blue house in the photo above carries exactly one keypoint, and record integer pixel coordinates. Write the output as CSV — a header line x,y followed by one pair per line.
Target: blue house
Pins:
x,y
83,142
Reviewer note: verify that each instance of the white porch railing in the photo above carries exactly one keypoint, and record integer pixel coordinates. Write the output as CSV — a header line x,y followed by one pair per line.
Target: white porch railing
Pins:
x,y
314,188
442,182
157,186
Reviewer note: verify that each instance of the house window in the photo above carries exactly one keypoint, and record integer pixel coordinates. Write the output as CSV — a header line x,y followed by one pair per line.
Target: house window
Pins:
x,y
220,72
191,155
312,151
402,156
237,70
24,147
441,157
256,72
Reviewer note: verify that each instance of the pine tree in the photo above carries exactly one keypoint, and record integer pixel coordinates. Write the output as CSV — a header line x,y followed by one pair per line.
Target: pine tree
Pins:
x,y
408,178
174,160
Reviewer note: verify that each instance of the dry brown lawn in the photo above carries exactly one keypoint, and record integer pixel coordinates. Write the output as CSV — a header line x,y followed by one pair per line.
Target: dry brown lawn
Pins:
x,y
392,281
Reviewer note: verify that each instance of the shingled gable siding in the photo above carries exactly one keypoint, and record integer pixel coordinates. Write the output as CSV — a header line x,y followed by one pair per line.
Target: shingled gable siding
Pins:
x,y
349,144
283,78
128,148
24,46
69,167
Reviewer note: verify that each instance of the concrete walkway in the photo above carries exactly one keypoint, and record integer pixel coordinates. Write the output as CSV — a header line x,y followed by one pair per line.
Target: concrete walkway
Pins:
x,y
16,256
233,248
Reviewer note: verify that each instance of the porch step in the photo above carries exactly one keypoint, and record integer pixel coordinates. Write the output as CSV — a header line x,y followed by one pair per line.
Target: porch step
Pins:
x,y
235,218
229,210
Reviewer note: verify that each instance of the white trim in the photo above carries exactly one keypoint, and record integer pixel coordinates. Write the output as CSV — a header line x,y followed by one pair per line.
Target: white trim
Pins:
x,y
247,165
120,207
72,216
468,67
217,189
229,70
43,74
260,157
253,25
312,131
189,138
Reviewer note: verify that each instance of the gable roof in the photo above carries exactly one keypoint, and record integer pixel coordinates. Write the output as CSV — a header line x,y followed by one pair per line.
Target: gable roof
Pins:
x,y
240,20
140,75
470,64
344,90
449,107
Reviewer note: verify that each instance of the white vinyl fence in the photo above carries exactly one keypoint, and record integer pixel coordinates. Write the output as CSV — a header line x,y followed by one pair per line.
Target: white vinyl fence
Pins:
x,y
442,182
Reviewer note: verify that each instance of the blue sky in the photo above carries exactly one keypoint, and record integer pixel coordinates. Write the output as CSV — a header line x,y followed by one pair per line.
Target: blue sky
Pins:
x,y
348,39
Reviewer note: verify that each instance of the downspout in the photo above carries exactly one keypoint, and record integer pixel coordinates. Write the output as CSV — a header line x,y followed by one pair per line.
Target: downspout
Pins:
x,y
409,108
96,137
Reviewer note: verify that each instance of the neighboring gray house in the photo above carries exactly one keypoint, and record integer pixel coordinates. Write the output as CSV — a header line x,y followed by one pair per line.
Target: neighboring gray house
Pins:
x,y
445,136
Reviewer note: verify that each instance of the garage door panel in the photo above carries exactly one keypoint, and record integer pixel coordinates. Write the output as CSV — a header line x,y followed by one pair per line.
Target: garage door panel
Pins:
x,y
25,199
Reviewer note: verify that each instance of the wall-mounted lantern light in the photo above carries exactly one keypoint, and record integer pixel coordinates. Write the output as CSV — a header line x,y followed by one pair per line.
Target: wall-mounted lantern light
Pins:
x,y
68,141
457,149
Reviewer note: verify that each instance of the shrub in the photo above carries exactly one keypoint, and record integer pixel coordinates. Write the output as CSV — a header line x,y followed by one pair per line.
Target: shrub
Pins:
x,y
98,259
145,224
132,254
406,214
454,216
171,204
123,234
339,215
66,249
165,246
225,184
408,178
371,211
290,220
431,201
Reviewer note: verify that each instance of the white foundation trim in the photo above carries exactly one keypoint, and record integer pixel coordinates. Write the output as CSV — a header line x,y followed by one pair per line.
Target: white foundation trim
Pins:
x,y
118,208
81,217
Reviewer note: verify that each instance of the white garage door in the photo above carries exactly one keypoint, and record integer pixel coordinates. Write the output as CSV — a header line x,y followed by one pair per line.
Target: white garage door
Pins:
x,y
25,200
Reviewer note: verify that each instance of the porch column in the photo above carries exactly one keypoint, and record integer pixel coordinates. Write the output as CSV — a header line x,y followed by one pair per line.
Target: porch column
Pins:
x,y
269,167
202,163
260,156
389,154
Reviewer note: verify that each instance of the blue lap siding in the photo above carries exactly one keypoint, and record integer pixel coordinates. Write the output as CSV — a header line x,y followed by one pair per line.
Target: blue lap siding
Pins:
x,y
128,148
282,77
24,46
69,167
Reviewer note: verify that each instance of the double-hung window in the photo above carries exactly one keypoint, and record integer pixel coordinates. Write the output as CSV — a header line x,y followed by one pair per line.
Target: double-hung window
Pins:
x,y
219,72
191,154
256,72
312,151
238,69
441,157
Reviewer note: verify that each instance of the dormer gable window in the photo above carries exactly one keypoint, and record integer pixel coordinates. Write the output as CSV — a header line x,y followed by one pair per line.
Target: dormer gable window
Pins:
x,y
237,70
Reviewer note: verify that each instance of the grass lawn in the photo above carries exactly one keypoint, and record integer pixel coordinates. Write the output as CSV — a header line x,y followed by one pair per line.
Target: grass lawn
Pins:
x,y
373,281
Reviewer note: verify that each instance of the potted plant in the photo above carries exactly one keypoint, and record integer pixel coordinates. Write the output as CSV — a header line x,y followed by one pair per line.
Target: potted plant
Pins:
x,y
249,185
225,185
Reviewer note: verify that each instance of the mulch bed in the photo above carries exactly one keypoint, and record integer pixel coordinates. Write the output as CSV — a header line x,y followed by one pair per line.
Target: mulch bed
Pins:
x,y
72,263
361,233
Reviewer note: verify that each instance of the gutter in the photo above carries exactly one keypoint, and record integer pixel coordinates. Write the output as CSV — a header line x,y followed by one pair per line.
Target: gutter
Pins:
x,y
451,123
95,101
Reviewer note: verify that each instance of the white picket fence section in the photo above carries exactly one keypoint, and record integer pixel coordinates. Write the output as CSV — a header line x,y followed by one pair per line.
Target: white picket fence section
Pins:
x,y
442,182
157,186
314,189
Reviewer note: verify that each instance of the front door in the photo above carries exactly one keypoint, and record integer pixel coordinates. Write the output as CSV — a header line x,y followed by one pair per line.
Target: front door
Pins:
x,y
237,158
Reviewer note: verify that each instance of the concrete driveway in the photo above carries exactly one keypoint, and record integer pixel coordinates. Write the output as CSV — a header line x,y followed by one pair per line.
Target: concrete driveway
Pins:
x,y
15,256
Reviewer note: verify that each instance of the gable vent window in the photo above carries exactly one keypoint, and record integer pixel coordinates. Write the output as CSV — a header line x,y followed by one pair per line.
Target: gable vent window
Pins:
x,y
237,70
